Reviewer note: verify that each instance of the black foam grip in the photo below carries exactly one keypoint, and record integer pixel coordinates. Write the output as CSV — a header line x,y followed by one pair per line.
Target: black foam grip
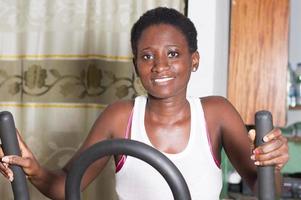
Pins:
x,y
136,149
266,176
10,146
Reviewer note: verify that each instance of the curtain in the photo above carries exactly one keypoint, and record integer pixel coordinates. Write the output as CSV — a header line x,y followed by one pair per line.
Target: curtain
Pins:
x,y
61,63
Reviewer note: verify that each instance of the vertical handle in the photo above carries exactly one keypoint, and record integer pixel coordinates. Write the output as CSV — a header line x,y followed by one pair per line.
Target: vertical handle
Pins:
x,y
266,177
11,147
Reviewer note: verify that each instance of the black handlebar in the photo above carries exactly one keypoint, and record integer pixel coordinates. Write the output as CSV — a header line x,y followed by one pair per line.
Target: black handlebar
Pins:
x,y
10,146
266,177
136,149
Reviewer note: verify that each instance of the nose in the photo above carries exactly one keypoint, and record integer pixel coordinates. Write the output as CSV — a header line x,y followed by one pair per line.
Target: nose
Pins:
x,y
161,64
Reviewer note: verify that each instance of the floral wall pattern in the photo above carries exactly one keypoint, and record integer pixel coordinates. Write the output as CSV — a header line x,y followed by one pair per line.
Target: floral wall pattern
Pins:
x,y
88,81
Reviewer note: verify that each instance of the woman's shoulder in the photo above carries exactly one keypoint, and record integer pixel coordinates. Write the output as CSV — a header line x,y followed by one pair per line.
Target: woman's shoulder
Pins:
x,y
121,104
125,105
114,118
213,99
119,108
217,106
215,102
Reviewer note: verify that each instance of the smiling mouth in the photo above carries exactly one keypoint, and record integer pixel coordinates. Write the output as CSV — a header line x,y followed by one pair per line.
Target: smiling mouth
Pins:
x,y
161,80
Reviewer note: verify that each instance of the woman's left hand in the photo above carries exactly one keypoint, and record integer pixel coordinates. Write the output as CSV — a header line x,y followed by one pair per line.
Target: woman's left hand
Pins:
x,y
273,152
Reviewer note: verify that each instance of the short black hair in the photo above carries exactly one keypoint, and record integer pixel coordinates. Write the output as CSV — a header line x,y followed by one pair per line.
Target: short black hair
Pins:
x,y
164,15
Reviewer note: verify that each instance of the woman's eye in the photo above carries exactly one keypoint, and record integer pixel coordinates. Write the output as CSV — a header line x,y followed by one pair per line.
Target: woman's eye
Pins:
x,y
147,57
173,54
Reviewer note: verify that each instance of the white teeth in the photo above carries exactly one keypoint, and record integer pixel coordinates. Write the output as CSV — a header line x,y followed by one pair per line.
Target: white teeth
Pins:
x,y
160,80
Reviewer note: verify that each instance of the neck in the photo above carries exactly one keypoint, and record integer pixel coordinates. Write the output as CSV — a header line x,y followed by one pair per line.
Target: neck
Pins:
x,y
167,110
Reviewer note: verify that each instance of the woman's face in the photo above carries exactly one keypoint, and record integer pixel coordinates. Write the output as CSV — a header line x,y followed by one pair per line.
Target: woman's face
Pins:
x,y
163,61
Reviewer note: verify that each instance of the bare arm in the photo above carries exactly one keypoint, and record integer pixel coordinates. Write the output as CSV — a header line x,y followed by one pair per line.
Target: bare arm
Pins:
x,y
227,130
236,143
52,183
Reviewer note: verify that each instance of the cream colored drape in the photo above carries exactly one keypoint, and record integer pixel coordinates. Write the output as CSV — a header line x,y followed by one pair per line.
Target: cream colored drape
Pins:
x,y
61,63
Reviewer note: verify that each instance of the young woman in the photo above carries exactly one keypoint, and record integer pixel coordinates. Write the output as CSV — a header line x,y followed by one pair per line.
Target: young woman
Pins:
x,y
190,131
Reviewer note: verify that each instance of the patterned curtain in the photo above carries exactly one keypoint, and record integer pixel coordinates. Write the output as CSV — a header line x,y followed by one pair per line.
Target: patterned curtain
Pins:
x,y
61,63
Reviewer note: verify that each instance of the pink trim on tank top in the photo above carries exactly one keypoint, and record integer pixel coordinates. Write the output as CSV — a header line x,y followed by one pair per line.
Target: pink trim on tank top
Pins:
x,y
127,133
217,162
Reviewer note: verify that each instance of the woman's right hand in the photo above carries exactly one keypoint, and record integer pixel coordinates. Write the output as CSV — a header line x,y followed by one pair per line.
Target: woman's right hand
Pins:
x,y
27,161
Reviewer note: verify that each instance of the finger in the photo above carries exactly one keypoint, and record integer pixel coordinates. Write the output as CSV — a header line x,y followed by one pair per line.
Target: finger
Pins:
x,y
1,151
6,172
25,152
281,156
3,166
20,140
251,135
5,175
275,133
267,156
2,170
16,160
1,155
278,162
269,146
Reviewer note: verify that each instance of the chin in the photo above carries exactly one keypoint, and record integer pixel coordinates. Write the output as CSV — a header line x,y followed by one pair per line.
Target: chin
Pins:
x,y
162,95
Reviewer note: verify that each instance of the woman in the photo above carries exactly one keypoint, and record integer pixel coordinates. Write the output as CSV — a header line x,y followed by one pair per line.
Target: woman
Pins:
x,y
190,131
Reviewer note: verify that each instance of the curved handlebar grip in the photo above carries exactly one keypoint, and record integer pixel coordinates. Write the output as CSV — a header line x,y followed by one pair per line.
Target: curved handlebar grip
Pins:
x,y
139,150
266,176
11,147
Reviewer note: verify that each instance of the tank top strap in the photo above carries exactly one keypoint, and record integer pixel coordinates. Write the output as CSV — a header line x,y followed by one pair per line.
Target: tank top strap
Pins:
x,y
126,136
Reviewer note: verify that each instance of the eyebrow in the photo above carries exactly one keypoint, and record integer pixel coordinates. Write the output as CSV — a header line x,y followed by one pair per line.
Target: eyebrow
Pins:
x,y
172,45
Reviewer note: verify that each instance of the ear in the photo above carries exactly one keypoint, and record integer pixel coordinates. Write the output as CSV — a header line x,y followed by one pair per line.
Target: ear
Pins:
x,y
195,61
135,65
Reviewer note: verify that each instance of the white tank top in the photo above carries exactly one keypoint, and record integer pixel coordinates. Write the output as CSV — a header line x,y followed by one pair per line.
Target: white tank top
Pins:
x,y
137,180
